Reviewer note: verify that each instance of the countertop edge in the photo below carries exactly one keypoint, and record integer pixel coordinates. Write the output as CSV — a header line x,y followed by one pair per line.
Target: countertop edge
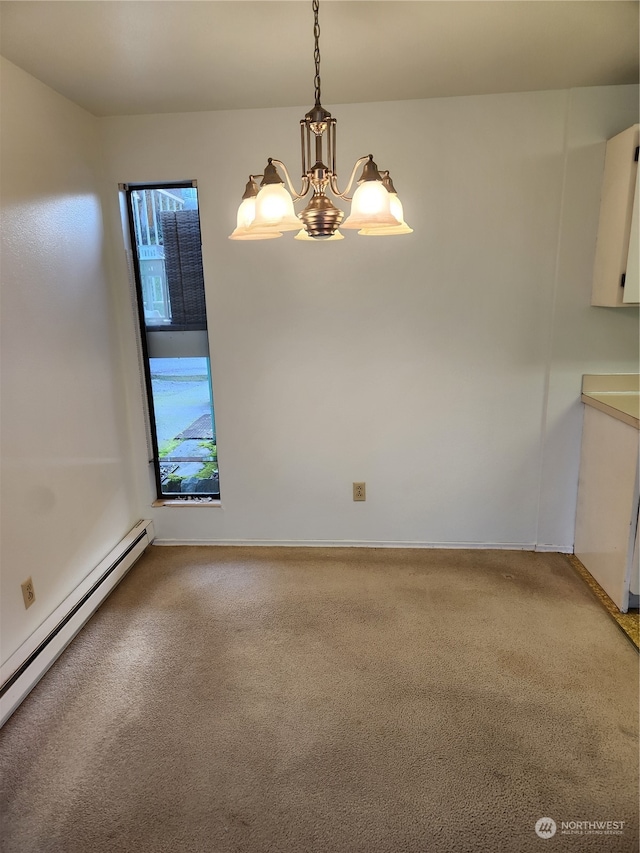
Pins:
x,y
610,410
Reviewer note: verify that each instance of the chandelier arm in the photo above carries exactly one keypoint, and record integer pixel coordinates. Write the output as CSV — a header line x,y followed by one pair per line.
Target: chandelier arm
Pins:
x,y
334,180
305,181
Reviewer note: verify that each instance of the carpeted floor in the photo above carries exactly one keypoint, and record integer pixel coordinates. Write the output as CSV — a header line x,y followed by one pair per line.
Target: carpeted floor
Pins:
x,y
628,622
245,700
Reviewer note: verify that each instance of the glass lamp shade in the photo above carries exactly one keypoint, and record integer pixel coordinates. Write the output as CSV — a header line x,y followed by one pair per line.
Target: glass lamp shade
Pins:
x,y
400,227
274,210
302,235
370,207
251,234
246,217
246,212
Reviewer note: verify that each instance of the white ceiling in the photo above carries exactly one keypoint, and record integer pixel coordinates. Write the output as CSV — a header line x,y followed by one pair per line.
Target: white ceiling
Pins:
x,y
116,57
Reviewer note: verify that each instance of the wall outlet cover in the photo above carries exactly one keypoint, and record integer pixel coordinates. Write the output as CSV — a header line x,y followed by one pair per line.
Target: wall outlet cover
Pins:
x,y
359,491
28,593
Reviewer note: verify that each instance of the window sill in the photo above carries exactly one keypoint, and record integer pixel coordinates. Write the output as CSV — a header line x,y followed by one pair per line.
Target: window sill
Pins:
x,y
190,503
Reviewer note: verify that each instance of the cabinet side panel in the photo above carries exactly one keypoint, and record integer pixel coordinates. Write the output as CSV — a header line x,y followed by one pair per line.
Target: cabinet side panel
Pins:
x,y
608,463
616,207
632,281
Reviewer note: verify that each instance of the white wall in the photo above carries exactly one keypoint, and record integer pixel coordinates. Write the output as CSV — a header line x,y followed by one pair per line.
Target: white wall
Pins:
x,y
583,339
66,490
419,364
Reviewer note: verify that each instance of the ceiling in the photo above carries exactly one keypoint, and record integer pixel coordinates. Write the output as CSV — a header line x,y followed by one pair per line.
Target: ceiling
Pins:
x,y
123,57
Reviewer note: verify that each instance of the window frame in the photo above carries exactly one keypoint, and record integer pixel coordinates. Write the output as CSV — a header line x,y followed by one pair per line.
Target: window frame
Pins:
x,y
129,189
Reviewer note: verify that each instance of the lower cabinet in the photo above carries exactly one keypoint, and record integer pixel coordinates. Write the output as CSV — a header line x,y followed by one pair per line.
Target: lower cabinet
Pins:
x,y
607,514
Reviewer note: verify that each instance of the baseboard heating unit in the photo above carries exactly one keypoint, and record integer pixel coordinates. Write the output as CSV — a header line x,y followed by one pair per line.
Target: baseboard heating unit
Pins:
x,y
38,653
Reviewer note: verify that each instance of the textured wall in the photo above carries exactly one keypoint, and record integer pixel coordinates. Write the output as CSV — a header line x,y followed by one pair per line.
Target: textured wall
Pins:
x,y
66,490
420,364
583,339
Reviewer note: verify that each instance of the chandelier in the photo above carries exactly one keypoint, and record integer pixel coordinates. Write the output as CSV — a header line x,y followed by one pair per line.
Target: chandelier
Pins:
x,y
266,211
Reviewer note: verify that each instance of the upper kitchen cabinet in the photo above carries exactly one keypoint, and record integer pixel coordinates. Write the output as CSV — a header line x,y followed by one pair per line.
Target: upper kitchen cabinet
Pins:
x,y
616,277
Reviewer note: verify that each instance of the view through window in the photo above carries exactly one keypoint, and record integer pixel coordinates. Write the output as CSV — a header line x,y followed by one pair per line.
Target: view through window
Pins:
x,y
165,233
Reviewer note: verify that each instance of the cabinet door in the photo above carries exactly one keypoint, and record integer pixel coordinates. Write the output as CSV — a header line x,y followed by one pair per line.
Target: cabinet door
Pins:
x,y
632,276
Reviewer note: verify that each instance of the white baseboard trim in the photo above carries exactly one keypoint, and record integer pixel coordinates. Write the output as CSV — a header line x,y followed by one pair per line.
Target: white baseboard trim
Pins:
x,y
349,543
555,549
27,665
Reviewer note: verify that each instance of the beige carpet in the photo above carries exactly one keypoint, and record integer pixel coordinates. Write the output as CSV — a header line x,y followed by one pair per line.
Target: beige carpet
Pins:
x,y
236,700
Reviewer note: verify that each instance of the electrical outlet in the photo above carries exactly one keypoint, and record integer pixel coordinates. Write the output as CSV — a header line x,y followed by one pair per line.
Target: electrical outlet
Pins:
x,y
28,593
359,491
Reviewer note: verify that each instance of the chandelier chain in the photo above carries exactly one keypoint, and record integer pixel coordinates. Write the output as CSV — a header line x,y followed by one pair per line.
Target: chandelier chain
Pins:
x,y
316,52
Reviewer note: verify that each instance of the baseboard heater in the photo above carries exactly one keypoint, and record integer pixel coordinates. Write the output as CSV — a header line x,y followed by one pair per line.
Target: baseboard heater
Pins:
x,y
39,652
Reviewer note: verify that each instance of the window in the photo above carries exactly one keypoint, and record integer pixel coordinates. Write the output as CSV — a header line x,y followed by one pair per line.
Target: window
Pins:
x,y
165,233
